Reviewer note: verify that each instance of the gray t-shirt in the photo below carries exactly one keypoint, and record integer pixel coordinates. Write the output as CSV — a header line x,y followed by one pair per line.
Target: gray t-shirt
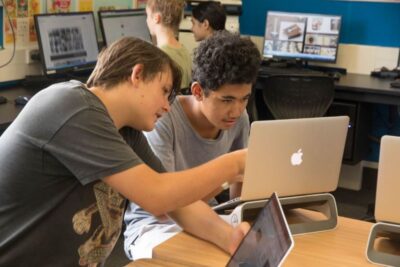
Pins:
x,y
180,147
54,208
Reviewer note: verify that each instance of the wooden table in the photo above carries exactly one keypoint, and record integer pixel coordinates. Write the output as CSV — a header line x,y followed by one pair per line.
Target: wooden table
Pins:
x,y
343,246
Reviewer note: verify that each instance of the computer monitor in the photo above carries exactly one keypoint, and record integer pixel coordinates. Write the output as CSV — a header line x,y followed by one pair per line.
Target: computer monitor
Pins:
x,y
299,36
67,41
115,24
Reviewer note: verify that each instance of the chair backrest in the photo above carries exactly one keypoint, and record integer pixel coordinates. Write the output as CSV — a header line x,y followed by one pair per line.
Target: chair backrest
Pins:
x,y
289,96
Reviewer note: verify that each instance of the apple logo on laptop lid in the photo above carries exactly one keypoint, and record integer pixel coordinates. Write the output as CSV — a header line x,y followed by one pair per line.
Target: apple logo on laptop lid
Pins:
x,y
296,158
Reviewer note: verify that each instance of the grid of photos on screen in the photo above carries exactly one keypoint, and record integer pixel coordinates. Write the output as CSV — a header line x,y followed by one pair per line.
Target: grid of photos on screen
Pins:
x,y
67,40
301,36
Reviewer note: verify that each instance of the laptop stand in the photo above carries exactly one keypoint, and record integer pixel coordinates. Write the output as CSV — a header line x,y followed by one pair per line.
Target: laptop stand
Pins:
x,y
304,214
384,244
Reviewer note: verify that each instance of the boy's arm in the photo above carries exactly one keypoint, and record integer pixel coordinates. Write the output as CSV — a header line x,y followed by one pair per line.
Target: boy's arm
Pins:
x,y
159,193
199,220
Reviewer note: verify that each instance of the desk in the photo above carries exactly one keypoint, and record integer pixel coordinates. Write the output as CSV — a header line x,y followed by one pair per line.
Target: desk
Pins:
x,y
361,88
353,87
344,246
364,88
9,111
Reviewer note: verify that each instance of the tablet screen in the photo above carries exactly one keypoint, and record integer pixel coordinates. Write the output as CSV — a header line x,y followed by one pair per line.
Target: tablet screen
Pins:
x,y
268,241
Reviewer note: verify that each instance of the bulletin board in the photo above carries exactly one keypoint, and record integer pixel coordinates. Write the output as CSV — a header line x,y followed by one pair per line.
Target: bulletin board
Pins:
x,y
21,13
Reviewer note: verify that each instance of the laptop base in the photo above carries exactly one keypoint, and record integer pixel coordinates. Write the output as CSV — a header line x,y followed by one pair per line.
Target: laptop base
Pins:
x,y
384,244
305,214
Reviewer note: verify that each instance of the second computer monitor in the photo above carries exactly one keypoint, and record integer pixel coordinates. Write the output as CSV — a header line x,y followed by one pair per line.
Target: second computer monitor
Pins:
x,y
116,24
67,41
313,37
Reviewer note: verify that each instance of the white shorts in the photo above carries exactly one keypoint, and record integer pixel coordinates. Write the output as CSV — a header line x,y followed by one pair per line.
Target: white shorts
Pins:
x,y
151,236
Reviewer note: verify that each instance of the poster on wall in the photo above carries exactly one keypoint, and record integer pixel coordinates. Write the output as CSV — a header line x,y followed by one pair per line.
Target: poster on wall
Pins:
x,y
21,14
34,8
110,5
22,32
9,39
85,5
10,7
141,3
22,8
59,6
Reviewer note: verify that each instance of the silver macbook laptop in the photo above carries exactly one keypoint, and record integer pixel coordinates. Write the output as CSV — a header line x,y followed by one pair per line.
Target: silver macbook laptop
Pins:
x,y
388,184
269,240
292,157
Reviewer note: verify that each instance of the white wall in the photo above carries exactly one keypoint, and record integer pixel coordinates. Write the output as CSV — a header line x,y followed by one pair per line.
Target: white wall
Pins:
x,y
355,58
18,68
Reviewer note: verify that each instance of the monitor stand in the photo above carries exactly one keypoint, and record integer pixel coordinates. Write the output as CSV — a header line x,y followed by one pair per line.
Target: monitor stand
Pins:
x,y
305,213
283,63
304,64
384,244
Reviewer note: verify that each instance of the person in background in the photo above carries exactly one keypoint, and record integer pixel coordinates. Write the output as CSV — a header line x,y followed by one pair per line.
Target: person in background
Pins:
x,y
76,153
210,122
207,18
163,19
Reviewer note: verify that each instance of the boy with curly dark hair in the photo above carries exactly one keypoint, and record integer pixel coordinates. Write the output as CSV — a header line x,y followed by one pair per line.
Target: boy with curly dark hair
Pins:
x,y
200,127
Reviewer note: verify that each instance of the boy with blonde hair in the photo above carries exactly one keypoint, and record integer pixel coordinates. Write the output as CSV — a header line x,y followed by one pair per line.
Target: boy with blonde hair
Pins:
x,y
163,19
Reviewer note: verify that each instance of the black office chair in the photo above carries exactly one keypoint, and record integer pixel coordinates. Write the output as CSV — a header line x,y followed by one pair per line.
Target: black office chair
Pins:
x,y
289,96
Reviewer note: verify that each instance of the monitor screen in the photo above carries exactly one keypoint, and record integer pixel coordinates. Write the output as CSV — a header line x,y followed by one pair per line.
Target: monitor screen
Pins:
x,y
119,23
67,41
308,37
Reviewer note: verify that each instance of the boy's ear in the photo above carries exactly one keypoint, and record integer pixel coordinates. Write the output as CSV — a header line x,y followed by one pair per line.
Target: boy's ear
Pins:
x,y
197,91
156,17
206,24
137,74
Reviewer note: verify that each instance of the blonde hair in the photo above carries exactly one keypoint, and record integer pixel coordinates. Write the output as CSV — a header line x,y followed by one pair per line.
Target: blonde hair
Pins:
x,y
171,11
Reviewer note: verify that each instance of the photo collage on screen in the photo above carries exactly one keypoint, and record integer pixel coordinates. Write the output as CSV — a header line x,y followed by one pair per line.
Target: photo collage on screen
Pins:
x,y
294,34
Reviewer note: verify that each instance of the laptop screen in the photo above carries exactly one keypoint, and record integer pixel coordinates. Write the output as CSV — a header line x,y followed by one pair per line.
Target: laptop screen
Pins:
x,y
269,240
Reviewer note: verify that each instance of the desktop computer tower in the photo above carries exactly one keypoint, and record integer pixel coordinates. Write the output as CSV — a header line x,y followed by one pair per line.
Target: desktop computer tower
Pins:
x,y
357,136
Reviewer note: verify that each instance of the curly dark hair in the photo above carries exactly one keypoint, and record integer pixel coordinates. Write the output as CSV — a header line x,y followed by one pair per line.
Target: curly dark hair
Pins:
x,y
225,58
